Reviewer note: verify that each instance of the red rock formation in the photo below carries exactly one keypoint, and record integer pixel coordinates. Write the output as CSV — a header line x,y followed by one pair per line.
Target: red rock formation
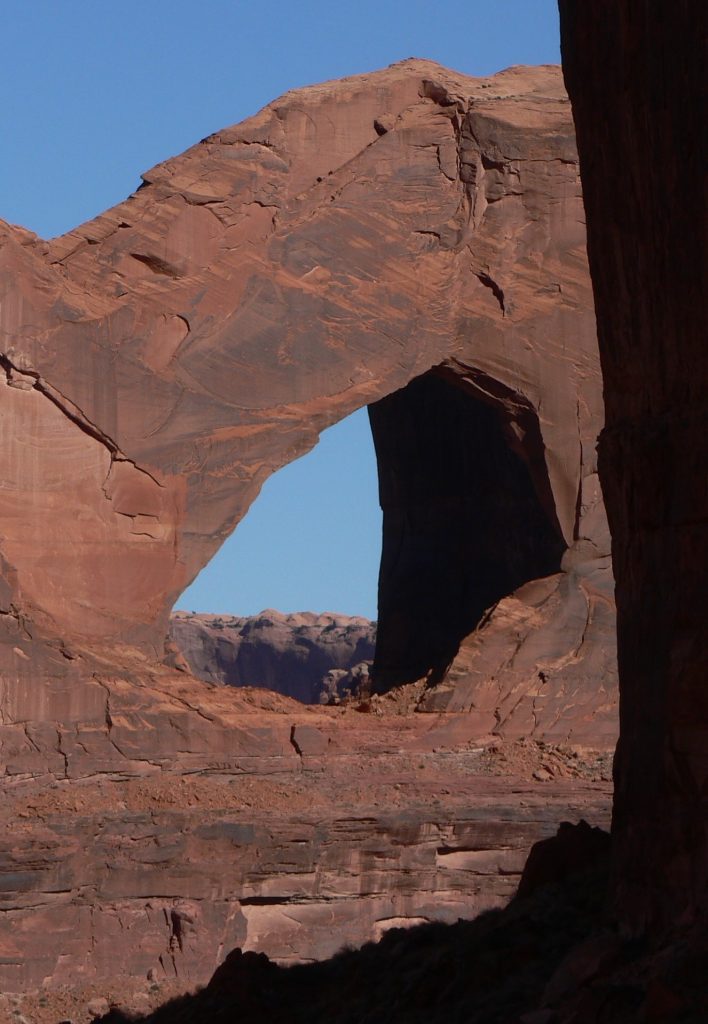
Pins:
x,y
530,669
412,240
163,359
636,75
542,664
154,872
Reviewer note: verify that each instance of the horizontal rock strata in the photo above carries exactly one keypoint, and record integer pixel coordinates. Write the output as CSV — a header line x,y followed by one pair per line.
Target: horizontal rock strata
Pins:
x,y
247,810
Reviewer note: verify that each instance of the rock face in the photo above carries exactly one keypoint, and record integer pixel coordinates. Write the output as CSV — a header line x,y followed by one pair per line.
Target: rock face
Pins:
x,y
513,676
463,523
643,169
410,239
542,664
152,871
168,819
305,656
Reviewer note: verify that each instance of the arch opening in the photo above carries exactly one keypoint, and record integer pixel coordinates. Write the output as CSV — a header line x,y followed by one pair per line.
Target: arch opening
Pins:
x,y
311,539
288,603
468,516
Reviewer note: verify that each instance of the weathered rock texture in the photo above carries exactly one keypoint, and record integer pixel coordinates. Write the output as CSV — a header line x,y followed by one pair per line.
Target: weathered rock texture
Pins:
x,y
306,656
642,65
410,229
542,664
121,822
338,834
412,240
526,671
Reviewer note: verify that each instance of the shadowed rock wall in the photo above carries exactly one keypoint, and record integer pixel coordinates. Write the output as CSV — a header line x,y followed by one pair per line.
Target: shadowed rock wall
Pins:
x,y
635,71
463,524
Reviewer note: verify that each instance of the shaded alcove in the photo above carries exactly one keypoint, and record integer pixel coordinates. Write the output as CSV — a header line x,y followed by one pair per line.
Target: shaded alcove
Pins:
x,y
468,517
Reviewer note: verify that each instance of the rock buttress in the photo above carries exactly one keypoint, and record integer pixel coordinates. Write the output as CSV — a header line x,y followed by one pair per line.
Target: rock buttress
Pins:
x,y
636,76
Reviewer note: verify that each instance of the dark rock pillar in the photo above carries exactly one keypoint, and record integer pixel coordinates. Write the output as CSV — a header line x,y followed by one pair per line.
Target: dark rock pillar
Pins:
x,y
635,71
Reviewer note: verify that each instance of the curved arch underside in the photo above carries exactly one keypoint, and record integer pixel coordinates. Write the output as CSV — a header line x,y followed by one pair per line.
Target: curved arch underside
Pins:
x,y
463,525
161,361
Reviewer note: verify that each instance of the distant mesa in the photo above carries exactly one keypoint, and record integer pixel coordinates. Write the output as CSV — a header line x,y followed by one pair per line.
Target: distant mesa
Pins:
x,y
317,659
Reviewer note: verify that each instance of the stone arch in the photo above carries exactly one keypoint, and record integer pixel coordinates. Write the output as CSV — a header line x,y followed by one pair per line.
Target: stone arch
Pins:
x,y
162,360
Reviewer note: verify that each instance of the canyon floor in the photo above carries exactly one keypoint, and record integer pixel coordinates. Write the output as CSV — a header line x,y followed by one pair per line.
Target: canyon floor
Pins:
x,y
125,889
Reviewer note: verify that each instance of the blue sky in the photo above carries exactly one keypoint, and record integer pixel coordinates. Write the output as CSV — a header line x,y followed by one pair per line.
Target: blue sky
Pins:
x,y
95,92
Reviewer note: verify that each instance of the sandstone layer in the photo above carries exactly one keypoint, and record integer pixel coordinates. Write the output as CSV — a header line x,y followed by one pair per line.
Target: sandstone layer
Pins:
x,y
412,240
134,885
313,658
643,169
184,811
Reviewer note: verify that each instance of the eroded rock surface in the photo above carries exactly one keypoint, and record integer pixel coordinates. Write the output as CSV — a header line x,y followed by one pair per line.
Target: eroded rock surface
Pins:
x,y
172,809
528,670
389,240
306,656
135,883
541,663
162,360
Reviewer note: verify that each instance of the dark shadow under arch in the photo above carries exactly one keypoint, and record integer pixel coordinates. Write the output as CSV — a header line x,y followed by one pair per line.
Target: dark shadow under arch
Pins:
x,y
467,519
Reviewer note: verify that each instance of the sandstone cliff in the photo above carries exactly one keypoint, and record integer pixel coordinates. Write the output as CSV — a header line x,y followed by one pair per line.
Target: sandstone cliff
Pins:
x,y
307,833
